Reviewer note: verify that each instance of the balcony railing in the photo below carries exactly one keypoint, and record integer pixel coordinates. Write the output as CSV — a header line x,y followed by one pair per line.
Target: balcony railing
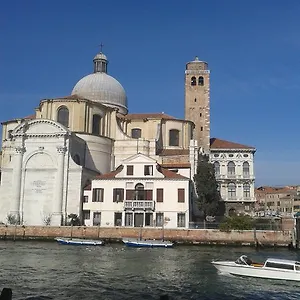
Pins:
x,y
238,199
234,176
139,204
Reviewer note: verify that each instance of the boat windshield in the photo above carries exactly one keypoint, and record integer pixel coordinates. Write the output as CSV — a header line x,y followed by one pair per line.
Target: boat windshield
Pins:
x,y
244,260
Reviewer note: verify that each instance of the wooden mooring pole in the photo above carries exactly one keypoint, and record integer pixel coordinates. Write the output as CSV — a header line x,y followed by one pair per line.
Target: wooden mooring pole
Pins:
x,y
6,294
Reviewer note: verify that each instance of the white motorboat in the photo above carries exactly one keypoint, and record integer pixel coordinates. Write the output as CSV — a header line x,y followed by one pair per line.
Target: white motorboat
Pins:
x,y
272,268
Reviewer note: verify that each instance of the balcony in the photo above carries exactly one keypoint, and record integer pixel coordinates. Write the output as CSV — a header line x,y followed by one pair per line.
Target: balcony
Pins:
x,y
238,199
139,205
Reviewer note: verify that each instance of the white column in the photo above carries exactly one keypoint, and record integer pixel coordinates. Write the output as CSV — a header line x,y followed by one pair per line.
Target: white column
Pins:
x,y
17,176
106,124
59,188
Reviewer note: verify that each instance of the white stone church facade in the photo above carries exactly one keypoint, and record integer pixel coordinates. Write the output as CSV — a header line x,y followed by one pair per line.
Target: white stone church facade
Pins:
x,y
49,158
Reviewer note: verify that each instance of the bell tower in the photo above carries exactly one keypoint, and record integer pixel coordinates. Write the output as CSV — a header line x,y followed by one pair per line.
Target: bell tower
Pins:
x,y
197,106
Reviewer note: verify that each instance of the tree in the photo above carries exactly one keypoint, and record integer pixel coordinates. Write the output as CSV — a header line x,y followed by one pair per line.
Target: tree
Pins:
x,y
208,197
74,220
237,223
13,219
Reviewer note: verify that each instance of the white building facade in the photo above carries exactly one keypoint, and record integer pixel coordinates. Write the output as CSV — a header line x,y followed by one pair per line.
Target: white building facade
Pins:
x,y
234,170
139,193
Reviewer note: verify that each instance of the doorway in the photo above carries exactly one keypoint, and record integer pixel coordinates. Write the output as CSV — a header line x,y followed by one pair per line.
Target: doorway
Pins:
x,y
138,220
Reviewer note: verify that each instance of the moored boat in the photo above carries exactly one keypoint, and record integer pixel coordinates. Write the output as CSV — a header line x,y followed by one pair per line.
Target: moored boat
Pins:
x,y
272,268
79,242
131,242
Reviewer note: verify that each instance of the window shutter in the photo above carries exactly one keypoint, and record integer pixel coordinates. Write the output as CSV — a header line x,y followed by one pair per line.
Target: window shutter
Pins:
x,y
180,195
94,198
160,195
129,194
129,170
148,194
121,195
115,195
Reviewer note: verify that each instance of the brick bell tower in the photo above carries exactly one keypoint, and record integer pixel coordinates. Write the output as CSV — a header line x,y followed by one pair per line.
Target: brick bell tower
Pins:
x,y
197,106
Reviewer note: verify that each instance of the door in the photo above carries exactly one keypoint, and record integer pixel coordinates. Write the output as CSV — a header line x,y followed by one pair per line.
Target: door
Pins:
x,y
138,220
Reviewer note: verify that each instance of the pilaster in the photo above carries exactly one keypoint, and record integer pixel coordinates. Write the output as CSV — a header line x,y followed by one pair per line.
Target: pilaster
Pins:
x,y
16,187
59,187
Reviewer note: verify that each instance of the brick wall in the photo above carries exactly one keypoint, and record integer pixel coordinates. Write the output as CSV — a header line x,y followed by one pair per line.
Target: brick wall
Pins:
x,y
205,236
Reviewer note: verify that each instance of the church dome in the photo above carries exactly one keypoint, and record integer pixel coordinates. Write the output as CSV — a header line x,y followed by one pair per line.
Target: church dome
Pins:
x,y
101,87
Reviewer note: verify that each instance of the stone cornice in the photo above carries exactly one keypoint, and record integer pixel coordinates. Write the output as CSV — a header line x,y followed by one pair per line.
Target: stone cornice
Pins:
x,y
42,135
75,100
22,129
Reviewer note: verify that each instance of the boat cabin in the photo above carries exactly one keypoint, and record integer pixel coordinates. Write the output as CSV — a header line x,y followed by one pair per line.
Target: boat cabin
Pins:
x,y
282,264
274,263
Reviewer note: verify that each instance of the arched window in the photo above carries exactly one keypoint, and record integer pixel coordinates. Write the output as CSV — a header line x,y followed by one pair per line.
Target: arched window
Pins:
x,y
217,168
63,116
201,81
246,190
231,168
96,124
246,169
139,192
193,80
136,133
174,137
232,212
231,190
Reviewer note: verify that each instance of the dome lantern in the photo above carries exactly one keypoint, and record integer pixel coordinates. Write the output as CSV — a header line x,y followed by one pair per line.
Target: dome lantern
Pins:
x,y
100,63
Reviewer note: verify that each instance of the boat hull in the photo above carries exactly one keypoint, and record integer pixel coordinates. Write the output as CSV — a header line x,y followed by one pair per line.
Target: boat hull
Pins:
x,y
147,243
258,272
79,242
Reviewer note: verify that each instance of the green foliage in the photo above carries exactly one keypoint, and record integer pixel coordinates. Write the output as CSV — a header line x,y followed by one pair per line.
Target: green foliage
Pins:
x,y
47,219
74,220
13,219
237,223
208,199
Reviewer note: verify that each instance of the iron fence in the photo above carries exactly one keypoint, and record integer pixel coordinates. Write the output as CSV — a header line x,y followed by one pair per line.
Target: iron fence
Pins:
x,y
268,224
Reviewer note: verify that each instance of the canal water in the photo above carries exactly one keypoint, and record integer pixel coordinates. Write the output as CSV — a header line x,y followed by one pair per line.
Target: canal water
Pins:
x,y
36,270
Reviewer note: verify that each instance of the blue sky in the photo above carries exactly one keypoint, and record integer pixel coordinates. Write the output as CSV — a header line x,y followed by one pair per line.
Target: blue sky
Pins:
x,y
252,48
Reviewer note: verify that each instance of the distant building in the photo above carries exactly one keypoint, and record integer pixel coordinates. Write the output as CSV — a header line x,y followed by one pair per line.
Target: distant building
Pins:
x,y
277,201
234,167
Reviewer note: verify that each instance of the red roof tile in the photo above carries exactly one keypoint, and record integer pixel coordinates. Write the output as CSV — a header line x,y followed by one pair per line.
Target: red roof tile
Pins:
x,y
110,175
169,174
172,152
222,144
31,117
274,190
88,187
149,116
